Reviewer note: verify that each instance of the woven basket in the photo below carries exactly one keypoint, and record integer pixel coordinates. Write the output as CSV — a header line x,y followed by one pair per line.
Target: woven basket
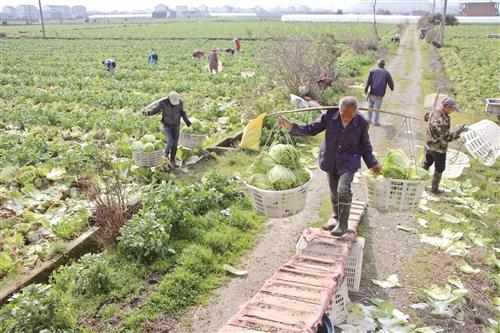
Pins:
x,y
191,140
387,194
151,159
278,204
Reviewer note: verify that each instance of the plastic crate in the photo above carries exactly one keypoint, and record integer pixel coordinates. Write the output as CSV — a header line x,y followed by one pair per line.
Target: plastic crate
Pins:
x,y
340,303
354,265
388,194
151,159
482,140
493,106
191,140
278,204
456,162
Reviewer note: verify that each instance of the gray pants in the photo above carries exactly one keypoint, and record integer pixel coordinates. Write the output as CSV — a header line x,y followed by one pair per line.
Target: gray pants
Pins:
x,y
374,102
340,190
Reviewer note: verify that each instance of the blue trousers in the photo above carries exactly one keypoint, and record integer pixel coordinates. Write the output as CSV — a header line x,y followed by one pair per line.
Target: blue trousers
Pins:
x,y
172,135
374,102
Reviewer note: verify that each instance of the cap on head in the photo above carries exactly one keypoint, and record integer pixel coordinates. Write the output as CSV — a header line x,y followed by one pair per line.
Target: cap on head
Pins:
x,y
448,101
174,98
381,62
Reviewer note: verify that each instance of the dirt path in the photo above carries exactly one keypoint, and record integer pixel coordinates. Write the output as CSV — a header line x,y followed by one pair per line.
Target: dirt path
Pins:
x,y
387,248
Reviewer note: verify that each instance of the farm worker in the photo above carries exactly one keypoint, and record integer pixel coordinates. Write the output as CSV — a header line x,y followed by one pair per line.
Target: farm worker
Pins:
x,y
346,141
437,137
395,38
213,61
228,51
423,32
152,58
110,64
375,87
198,54
172,109
237,44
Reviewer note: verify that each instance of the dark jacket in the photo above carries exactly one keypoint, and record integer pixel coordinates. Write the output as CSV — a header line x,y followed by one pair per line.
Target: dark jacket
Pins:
x,y
377,82
342,149
171,114
438,131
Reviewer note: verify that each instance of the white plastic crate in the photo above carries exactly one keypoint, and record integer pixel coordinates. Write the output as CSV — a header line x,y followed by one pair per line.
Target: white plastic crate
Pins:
x,y
151,159
339,305
456,162
278,204
191,140
394,194
354,265
493,106
482,140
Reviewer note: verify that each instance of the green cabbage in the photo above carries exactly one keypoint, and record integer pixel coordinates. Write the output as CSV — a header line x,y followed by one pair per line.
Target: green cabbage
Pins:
x,y
286,155
417,173
263,163
395,164
148,138
149,147
261,181
159,145
137,146
281,177
302,176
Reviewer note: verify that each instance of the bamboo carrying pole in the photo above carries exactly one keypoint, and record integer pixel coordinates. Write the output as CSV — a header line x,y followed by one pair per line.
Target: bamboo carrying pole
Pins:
x,y
278,113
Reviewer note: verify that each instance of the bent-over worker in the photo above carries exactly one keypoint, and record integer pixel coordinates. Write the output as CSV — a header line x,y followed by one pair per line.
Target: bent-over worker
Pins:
x,y
152,58
172,110
110,64
438,135
346,142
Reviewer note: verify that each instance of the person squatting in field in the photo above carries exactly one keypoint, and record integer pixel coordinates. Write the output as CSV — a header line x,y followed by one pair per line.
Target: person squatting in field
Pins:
x,y
152,58
228,51
375,87
213,61
172,110
346,142
198,54
110,64
438,135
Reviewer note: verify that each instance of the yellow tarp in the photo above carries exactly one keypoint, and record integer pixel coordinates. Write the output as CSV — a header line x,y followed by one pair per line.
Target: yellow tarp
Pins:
x,y
251,134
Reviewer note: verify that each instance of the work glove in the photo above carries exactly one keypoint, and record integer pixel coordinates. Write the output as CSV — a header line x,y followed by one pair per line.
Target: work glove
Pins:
x,y
144,112
188,123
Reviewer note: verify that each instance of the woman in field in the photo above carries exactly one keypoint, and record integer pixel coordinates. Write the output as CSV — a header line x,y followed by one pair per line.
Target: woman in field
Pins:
x,y
213,61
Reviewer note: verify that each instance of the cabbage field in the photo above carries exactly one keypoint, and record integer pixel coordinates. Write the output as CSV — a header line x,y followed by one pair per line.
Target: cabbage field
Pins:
x,y
66,123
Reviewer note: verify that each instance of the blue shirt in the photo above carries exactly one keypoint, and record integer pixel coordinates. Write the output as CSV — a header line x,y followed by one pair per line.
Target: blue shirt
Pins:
x,y
342,149
377,82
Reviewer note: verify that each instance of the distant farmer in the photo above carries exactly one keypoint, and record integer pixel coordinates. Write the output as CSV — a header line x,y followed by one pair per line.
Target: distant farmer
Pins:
x,y
228,51
172,109
438,136
375,87
198,54
213,61
237,44
152,58
325,82
395,38
110,64
423,32
346,141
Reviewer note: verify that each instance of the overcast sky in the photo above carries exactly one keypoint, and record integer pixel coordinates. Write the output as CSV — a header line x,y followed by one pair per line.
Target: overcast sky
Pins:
x,y
108,5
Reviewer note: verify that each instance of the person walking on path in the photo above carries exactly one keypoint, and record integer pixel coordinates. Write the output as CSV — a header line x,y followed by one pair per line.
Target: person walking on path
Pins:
x,y
237,44
172,110
213,61
375,87
437,137
110,64
152,58
346,142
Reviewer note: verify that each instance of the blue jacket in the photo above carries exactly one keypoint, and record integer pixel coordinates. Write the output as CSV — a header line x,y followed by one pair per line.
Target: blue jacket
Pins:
x,y
342,149
377,82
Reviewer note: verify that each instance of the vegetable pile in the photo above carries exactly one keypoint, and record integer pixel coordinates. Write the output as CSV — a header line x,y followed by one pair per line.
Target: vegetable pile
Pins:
x,y
197,127
148,144
279,169
397,166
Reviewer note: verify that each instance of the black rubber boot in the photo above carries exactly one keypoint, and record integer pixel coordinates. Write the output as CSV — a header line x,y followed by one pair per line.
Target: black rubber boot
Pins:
x,y
173,153
436,179
344,211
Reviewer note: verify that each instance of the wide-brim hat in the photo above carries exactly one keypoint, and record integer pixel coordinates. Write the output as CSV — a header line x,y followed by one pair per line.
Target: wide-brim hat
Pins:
x,y
174,98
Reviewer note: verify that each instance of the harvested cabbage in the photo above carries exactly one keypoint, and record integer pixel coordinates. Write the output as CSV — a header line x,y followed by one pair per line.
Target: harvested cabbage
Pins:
x,y
395,164
417,173
263,163
281,177
286,155
149,147
302,176
137,146
148,138
260,180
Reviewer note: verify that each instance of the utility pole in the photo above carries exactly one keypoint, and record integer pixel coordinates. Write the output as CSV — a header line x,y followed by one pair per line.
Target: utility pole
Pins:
x,y
433,6
41,18
443,23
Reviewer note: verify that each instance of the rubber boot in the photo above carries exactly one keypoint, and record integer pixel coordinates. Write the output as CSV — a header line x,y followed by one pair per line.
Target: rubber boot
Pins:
x,y
344,211
335,216
436,179
173,153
